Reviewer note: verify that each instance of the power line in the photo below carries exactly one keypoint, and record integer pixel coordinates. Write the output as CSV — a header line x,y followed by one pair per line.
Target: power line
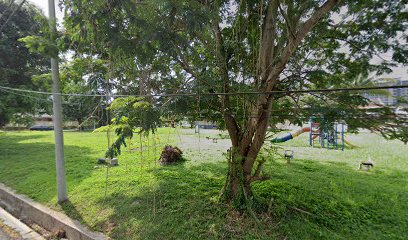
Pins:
x,y
214,93
28,96
370,115
36,98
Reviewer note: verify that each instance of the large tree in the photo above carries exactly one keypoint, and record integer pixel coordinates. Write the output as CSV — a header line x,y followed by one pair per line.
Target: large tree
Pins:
x,y
81,75
17,64
227,46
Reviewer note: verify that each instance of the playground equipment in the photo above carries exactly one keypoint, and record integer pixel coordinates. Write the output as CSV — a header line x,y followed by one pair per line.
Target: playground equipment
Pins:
x,y
291,135
367,164
328,135
288,155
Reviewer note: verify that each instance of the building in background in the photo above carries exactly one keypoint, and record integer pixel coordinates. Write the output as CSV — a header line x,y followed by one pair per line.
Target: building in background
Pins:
x,y
393,94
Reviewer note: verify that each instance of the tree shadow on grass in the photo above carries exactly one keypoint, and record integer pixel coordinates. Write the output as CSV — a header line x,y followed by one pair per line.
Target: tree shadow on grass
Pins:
x,y
69,207
182,203
335,200
338,202
29,166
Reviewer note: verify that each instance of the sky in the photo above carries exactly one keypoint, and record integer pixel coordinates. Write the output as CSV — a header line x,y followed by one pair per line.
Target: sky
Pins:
x,y
43,4
398,72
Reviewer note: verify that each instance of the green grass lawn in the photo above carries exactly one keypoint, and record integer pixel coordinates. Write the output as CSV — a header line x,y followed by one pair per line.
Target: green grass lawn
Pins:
x,y
320,195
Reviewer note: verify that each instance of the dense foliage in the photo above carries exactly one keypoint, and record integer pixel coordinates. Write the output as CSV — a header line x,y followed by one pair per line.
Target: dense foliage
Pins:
x,y
17,64
207,47
80,76
131,115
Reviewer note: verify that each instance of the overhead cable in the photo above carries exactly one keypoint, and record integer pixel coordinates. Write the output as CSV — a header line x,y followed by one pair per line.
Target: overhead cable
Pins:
x,y
215,93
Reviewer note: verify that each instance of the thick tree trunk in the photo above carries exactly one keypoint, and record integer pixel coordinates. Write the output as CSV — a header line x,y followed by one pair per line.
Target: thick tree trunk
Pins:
x,y
242,158
237,190
248,140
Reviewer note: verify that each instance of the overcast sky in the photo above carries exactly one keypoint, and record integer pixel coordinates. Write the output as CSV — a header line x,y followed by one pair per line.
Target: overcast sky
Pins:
x,y
43,4
400,72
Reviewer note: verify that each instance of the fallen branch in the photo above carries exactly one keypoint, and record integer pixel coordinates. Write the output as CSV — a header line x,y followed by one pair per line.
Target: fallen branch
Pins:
x,y
302,211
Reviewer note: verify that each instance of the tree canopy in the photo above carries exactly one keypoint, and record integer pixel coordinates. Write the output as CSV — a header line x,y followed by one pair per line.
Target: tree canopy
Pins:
x,y
230,46
17,64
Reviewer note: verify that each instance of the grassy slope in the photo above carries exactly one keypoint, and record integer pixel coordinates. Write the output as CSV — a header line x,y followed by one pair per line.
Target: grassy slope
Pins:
x,y
148,201
346,203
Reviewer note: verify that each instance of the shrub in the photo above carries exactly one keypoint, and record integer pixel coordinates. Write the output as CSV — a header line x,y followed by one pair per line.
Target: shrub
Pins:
x,y
170,155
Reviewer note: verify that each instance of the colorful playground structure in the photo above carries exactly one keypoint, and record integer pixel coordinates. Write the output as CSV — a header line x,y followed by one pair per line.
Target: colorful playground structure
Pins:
x,y
328,135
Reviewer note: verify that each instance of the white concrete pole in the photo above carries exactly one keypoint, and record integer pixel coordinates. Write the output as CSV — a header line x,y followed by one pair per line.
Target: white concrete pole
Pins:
x,y
57,112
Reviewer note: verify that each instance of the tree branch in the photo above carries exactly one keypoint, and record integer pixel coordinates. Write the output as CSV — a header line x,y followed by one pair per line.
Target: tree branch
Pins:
x,y
266,50
284,15
259,137
183,62
266,55
222,61
290,48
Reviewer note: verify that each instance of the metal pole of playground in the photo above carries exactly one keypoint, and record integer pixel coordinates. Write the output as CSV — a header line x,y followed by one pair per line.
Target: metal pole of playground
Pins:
x,y
322,132
57,112
342,136
311,132
336,136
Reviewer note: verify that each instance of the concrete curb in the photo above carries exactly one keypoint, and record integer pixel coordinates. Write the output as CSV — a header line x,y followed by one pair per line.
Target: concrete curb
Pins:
x,y
18,226
26,209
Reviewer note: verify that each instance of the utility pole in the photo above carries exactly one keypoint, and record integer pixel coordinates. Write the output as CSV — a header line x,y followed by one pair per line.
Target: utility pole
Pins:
x,y
57,111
